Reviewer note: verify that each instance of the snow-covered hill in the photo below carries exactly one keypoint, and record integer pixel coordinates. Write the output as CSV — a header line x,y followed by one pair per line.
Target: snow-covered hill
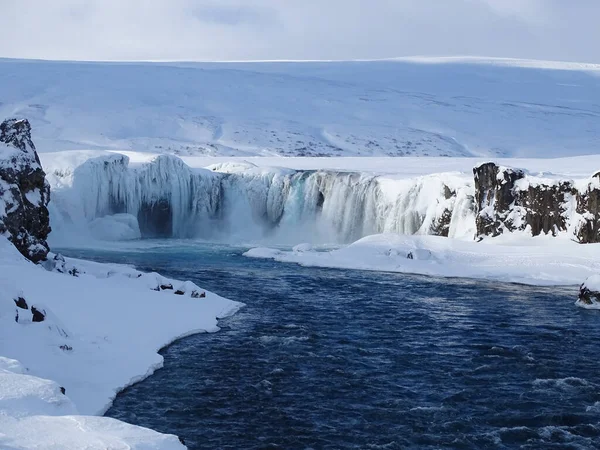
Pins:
x,y
435,107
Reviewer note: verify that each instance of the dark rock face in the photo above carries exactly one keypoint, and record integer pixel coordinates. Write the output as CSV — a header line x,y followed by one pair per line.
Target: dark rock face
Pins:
x,y
23,190
17,133
494,196
588,205
21,303
587,296
38,315
546,207
441,227
503,204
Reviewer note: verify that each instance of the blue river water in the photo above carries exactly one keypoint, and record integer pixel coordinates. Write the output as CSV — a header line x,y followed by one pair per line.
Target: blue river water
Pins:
x,y
340,359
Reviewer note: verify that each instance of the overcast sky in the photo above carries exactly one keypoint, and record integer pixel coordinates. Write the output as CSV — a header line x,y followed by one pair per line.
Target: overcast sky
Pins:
x,y
298,29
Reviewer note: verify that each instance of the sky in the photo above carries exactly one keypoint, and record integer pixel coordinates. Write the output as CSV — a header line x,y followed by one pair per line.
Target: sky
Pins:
x,y
221,30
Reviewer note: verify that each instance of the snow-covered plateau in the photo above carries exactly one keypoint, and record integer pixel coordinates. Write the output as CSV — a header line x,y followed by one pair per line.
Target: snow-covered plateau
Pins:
x,y
403,107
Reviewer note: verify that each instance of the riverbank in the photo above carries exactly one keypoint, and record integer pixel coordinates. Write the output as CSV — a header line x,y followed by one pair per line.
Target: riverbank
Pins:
x,y
101,327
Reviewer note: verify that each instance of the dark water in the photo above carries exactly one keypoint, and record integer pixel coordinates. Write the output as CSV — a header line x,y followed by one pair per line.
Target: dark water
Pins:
x,y
330,359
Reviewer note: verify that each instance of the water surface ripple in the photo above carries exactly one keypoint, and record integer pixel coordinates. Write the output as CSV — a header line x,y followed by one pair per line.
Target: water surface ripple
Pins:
x,y
331,359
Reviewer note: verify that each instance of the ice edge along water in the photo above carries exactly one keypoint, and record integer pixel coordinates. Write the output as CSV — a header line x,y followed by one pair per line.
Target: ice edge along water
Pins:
x,y
94,341
389,213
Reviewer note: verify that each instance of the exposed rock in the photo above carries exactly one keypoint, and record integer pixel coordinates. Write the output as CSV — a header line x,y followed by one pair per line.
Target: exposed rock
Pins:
x,y
17,133
179,292
165,287
196,294
588,206
494,197
507,200
24,191
63,391
442,226
38,316
57,263
21,303
589,292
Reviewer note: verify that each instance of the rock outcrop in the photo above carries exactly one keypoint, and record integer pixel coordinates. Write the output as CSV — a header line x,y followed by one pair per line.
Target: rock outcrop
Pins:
x,y
589,292
24,191
509,200
588,207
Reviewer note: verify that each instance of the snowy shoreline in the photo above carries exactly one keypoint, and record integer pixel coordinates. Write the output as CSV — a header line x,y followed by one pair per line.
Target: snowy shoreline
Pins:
x,y
101,333
540,261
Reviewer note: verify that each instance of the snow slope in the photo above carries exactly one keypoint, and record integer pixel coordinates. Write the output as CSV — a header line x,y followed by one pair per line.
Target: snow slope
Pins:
x,y
94,341
417,107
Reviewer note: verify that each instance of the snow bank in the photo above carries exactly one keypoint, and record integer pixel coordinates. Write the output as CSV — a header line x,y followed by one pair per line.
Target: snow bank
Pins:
x,y
93,341
536,261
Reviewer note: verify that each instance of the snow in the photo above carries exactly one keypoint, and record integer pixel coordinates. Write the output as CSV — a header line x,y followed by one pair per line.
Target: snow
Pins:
x,y
536,261
94,341
402,107
34,196
593,283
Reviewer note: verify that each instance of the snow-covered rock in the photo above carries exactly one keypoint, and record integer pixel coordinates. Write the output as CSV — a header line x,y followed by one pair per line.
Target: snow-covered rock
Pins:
x,y
24,191
510,200
589,293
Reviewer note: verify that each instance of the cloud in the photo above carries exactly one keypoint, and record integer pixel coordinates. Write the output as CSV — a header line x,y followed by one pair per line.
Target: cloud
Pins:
x,y
298,29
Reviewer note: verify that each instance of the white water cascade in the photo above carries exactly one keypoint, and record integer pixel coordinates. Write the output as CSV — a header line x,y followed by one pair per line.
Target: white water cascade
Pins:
x,y
166,198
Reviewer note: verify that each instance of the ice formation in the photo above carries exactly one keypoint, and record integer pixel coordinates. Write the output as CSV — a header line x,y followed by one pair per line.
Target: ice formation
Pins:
x,y
166,198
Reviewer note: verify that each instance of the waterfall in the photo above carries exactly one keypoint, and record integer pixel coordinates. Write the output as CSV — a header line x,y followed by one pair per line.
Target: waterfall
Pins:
x,y
166,198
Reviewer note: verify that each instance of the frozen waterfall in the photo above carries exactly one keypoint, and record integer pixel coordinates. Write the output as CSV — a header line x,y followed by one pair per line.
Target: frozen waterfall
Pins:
x,y
166,198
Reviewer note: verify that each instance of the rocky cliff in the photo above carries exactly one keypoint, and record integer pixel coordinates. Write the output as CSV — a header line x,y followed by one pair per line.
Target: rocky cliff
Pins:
x,y
509,200
24,191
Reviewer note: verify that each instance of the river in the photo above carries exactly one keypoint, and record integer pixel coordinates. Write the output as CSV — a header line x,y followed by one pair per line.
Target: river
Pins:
x,y
342,359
